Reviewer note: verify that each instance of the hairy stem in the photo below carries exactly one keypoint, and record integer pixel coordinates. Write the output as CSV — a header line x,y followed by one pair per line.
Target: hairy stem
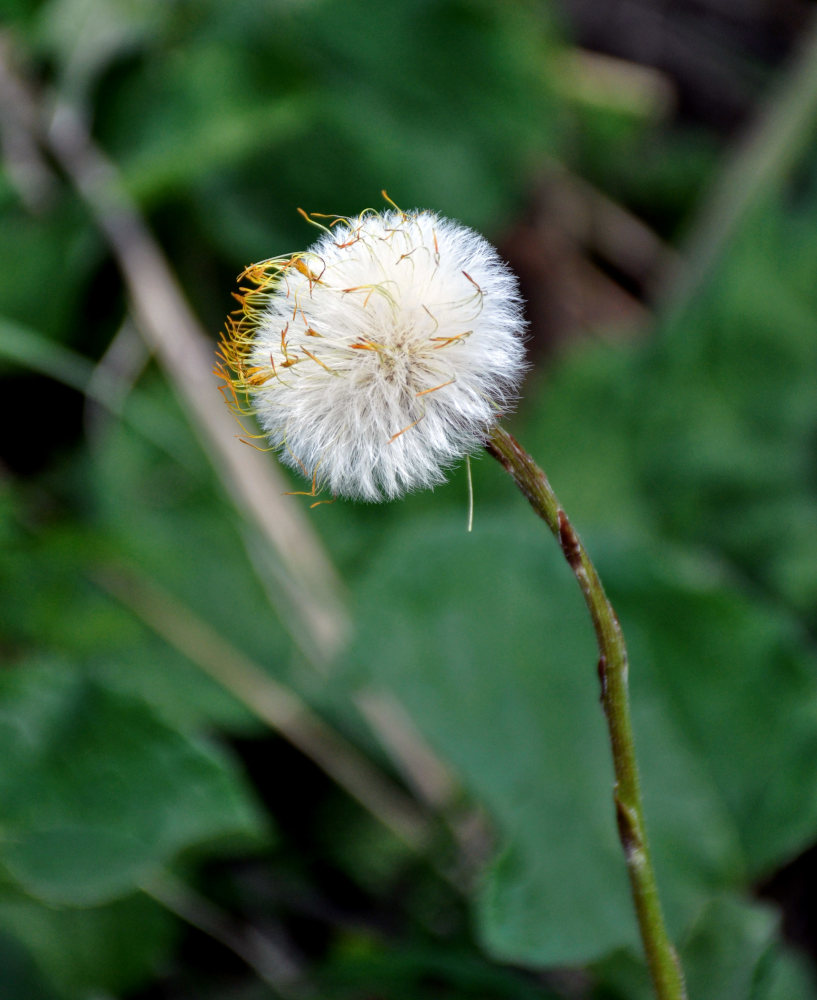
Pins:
x,y
662,960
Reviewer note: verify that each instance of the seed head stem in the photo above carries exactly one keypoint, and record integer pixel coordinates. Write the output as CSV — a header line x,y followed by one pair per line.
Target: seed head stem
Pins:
x,y
662,960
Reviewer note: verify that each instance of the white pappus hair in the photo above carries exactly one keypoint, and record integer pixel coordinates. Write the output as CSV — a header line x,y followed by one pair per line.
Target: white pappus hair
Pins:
x,y
381,355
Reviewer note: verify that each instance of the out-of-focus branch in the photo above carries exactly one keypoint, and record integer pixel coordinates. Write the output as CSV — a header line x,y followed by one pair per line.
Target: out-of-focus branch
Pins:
x,y
270,959
431,780
313,592
307,577
22,159
605,81
605,227
424,773
121,365
277,706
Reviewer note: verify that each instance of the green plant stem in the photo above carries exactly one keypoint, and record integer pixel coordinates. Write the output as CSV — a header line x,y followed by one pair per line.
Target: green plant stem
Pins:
x,y
665,969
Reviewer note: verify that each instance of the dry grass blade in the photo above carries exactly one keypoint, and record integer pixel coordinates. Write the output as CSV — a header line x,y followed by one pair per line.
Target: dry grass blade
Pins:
x,y
270,959
307,576
276,705
313,593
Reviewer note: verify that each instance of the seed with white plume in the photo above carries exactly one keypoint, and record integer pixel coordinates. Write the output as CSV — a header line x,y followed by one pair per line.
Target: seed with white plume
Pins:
x,y
380,356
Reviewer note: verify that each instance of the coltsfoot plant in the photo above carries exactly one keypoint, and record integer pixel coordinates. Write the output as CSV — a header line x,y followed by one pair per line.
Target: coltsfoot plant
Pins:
x,y
379,357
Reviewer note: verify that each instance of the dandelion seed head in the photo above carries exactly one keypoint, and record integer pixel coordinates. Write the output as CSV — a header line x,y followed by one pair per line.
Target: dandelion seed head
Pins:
x,y
382,355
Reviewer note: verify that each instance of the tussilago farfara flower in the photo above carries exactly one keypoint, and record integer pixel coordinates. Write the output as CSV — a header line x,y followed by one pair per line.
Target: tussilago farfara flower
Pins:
x,y
381,355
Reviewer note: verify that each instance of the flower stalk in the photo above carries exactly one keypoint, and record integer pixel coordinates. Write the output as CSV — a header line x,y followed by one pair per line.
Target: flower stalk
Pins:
x,y
662,960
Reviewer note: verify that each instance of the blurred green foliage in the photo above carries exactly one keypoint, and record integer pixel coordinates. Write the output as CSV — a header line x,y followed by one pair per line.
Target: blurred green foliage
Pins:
x,y
686,458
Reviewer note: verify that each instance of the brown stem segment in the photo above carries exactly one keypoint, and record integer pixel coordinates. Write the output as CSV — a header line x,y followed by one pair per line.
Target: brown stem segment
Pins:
x,y
665,969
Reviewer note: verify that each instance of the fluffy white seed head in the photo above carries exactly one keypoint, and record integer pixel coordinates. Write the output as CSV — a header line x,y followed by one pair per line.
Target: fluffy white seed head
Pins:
x,y
381,355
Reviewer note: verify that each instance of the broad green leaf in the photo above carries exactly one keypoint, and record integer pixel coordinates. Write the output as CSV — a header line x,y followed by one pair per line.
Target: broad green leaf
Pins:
x,y
59,251
580,425
88,951
733,952
78,864
96,792
729,397
786,974
486,641
464,628
738,679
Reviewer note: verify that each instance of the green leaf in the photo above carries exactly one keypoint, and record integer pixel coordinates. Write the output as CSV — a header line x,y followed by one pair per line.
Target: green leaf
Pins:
x,y
581,426
485,639
97,792
462,627
736,676
733,952
62,245
83,952
730,390
78,864
723,951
